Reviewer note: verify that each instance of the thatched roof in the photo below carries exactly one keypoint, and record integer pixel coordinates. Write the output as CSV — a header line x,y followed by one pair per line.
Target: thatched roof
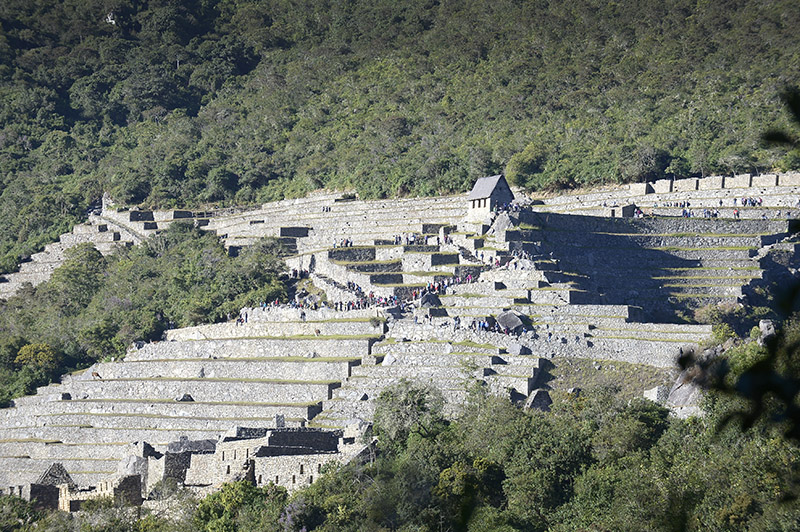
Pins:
x,y
55,475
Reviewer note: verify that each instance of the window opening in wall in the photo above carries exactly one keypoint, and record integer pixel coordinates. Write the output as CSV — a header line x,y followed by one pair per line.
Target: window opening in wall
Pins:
x,y
319,468
223,456
293,479
247,453
276,480
228,470
259,480
234,454
301,469
311,479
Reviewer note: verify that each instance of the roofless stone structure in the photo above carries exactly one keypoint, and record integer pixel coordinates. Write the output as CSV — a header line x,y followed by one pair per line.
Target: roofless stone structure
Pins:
x,y
275,398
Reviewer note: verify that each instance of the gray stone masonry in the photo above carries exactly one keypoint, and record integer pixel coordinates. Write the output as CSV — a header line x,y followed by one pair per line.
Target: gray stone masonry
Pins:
x,y
587,292
258,329
308,369
243,389
251,348
256,408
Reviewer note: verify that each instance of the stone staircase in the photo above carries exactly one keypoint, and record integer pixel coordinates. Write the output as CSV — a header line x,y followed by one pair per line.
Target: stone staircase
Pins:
x,y
453,367
668,266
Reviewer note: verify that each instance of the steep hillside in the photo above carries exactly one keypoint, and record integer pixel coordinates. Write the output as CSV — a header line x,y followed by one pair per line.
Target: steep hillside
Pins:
x,y
229,101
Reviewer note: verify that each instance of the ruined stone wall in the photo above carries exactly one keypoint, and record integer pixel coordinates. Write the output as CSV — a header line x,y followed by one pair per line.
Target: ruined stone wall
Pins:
x,y
276,329
292,472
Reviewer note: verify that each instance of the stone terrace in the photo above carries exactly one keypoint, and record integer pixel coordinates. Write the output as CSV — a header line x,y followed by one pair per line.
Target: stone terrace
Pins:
x,y
320,220
779,194
586,287
107,232
198,383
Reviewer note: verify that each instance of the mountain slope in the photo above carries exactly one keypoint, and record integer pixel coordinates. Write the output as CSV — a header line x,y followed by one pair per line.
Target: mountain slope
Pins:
x,y
227,101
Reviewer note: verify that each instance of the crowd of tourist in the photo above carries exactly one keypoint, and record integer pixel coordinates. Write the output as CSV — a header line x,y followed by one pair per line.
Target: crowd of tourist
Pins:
x,y
747,202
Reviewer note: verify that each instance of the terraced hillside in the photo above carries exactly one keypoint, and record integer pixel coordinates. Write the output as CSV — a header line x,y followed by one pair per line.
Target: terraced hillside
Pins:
x,y
198,383
541,298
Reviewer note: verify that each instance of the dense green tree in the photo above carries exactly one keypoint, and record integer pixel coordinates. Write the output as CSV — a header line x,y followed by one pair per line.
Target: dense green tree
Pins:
x,y
224,101
38,356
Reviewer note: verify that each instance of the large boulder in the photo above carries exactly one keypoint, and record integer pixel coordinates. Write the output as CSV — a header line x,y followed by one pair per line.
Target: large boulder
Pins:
x,y
767,328
509,320
501,224
540,400
684,396
516,348
429,300
658,394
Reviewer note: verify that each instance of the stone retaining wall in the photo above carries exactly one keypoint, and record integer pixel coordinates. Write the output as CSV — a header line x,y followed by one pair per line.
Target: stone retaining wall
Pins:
x,y
251,348
257,329
203,390
255,408
311,369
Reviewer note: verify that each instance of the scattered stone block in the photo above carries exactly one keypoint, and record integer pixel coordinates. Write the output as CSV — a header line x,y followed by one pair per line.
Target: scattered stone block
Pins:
x,y
539,400
767,328
657,394
518,349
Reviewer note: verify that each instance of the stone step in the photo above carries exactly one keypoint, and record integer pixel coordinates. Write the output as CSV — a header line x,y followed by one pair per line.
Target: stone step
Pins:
x,y
645,263
109,248
644,333
150,421
673,281
258,408
307,369
447,376
57,452
632,241
431,347
16,465
34,278
298,330
73,239
39,266
445,366
234,348
455,359
89,228
228,390
81,434
359,216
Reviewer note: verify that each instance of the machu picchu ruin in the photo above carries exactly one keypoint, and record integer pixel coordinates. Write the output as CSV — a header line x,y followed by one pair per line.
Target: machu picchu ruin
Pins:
x,y
521,297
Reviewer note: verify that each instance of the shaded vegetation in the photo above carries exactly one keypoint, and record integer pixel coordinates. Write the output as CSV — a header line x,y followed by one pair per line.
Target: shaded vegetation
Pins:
x,y
167,103
94,307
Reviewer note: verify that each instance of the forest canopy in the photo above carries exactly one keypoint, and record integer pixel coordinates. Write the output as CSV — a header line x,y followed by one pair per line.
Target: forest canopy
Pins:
x,y
167,103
